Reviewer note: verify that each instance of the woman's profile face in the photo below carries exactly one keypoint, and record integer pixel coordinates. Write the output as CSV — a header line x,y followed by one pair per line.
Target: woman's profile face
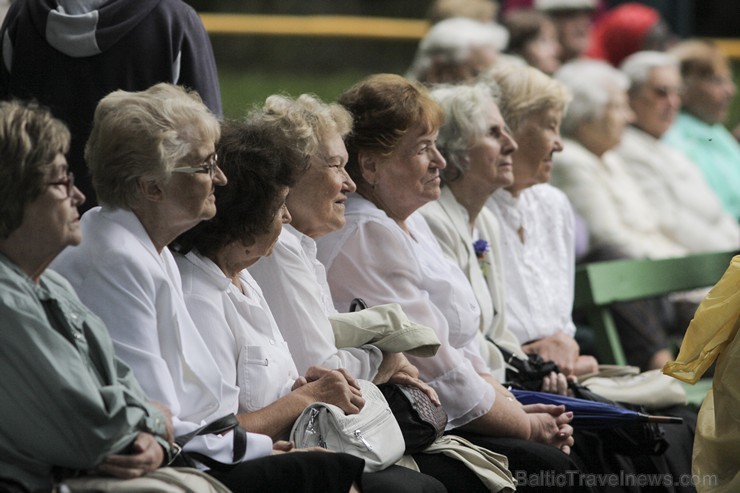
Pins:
x,y
490,157
53,215
614,119
265,242
540,134
316,202
191,195
410,176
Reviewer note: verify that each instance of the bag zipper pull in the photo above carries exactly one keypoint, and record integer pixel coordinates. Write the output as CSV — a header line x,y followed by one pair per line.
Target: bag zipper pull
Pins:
x,y
358,435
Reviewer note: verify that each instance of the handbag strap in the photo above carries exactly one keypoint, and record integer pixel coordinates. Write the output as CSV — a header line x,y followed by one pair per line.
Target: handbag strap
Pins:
x,y
357,305
217,427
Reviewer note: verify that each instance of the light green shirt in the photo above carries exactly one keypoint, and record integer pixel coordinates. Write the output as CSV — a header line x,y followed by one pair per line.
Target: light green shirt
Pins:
x,y
65,400
715,151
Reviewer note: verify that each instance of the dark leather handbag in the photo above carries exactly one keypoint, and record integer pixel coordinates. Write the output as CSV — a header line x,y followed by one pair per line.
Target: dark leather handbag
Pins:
x,y
420,420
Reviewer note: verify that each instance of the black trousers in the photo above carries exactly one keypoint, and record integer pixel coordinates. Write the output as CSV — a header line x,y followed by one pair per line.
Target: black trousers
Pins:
x,y
301,472
321,472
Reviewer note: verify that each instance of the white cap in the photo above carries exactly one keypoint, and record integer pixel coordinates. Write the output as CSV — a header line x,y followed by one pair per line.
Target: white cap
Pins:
x,y
550,5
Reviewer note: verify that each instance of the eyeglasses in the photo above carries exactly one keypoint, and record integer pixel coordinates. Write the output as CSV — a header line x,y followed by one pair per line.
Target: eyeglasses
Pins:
x,y
209,166
68,181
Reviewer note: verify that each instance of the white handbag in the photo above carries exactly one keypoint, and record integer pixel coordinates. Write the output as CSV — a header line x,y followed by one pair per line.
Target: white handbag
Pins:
x,y
373,434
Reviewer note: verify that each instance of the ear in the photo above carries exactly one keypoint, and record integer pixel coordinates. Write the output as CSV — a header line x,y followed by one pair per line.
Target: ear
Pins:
x,y
150,189
369,166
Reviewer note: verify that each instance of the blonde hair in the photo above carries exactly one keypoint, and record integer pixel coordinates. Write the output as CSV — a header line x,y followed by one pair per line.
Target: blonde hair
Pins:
x,y
526,90
305,121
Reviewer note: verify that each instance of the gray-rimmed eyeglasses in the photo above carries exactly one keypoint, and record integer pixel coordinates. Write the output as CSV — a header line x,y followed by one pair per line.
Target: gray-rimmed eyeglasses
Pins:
x,y
209,166
68,181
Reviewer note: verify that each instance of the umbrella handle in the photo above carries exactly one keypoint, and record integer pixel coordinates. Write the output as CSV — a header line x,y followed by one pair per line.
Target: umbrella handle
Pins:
x,y
666,420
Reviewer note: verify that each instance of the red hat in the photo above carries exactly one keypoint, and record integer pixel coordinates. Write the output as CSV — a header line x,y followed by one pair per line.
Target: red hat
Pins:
x,y
621,32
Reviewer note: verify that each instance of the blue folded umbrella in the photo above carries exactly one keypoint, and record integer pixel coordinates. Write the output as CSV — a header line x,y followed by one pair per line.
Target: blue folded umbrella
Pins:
x,y
592,414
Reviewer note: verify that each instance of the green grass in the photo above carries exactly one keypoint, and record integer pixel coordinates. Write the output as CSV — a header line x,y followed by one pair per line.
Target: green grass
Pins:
x,y
240,91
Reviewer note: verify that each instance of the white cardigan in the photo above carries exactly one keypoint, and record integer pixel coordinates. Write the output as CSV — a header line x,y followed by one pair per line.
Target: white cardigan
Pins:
x,y
120,276
688,210
617,213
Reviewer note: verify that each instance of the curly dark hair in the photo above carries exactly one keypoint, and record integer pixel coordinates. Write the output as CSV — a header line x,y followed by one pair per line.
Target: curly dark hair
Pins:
x,y
259,164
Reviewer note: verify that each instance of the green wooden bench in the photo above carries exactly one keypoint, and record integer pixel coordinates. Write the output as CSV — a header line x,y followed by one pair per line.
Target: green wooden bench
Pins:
x,y
600,284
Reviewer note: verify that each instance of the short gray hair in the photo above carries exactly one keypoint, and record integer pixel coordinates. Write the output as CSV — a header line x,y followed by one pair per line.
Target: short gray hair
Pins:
x,y
637,67
144,134
590,82
466,110
451,41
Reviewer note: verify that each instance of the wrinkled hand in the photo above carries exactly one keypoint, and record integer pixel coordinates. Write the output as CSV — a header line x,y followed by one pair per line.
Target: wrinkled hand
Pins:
x,y
585,365
560,348
299,382
336,387
557,383
402,378
146,456
169,428
549,424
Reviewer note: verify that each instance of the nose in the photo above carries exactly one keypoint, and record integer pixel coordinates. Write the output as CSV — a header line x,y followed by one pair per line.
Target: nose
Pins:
x,y
629,115
558,144
219,177
348,186
510,145
78,198
286,215
438,160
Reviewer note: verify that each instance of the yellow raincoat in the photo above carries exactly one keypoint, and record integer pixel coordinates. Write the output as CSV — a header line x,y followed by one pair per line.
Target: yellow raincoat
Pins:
x,y
712,336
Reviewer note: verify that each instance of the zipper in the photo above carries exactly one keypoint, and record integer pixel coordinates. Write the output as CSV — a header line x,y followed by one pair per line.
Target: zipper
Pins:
x,y
358,433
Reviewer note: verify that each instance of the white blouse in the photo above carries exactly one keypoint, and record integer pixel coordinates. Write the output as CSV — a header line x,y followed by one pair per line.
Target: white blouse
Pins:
x,y
240,332
540,272
374,259
137,291
294,284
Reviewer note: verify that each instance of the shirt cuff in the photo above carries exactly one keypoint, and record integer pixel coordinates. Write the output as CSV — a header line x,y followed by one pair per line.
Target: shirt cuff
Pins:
x,y
257,446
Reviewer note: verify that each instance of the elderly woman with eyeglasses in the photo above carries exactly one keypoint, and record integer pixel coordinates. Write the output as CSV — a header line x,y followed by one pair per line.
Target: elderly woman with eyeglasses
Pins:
x,y
387,253
154,167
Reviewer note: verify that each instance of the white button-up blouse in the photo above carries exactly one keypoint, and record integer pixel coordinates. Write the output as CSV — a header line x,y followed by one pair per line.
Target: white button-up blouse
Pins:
x,y
294,284
239,330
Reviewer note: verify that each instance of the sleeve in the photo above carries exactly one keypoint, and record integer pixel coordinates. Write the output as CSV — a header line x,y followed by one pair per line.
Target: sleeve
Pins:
x,y
198,64
124,295
54,408
294,296
391,275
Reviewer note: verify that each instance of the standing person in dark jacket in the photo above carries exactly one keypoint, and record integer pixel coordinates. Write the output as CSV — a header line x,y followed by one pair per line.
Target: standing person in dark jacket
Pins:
x,y
69,54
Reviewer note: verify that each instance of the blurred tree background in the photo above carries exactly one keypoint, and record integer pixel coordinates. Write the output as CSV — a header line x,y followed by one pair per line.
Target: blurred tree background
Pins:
x,y
251,67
